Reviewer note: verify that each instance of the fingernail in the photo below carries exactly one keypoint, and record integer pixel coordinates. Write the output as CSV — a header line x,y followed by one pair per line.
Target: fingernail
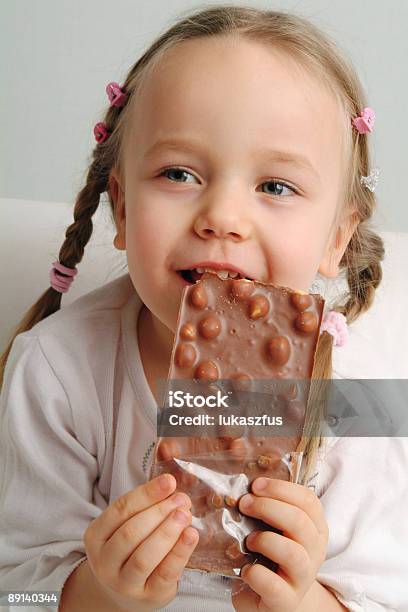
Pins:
x,y
251,537
180,517
260,483
164,481
179,500
190,535
244,569
245,502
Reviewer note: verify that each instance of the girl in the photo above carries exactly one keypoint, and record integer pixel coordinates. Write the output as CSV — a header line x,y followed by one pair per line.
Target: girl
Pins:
x,y
238,141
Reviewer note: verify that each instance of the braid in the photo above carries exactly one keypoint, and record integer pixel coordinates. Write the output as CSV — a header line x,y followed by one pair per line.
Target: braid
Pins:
x,y
363,258
77,234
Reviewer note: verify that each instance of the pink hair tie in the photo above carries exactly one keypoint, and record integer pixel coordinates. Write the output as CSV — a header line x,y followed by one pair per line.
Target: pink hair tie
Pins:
x,y
58,282
335,324
116,95
101,132
364,123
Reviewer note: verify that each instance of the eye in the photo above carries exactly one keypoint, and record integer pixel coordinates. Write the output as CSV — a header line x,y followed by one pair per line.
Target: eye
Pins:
x,y
179,173
279,186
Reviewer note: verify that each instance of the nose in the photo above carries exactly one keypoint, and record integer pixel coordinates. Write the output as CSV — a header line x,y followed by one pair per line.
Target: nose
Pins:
x,y
223,219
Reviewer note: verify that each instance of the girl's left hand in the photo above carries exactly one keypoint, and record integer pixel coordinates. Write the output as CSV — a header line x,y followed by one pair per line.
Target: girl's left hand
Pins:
x,y
297,512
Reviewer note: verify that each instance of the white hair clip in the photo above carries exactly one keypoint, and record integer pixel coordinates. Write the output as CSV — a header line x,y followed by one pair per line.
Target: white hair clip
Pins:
x,y
371,180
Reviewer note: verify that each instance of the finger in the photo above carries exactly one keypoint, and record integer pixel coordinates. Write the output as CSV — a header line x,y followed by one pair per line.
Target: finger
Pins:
x,y
152,551
125,506
129,535
169,571
291,557
292,521
275,593
295,494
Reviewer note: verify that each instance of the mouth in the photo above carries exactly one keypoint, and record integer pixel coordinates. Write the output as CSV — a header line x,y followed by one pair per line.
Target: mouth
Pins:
x,y
192,275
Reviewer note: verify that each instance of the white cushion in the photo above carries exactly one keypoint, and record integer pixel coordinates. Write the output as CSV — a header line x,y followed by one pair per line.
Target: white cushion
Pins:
x,y
34,231
32,235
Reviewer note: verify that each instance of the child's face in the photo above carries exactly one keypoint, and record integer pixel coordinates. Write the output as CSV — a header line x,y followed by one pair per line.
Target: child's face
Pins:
x,y
229,103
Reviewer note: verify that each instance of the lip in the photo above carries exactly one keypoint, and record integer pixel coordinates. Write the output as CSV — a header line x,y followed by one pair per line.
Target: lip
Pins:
x,y
217,266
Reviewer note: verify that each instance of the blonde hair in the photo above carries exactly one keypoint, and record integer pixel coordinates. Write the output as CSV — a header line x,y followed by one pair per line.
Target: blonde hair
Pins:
x,y
313,50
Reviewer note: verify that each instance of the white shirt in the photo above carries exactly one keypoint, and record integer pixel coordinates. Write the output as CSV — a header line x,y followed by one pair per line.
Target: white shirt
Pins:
x,y
77,430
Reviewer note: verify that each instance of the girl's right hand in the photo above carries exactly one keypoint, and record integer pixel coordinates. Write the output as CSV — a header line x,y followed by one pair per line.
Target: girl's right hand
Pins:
x,y
138,547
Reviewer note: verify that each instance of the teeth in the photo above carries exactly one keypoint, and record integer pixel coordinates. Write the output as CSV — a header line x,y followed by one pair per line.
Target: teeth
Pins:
x,y
222,274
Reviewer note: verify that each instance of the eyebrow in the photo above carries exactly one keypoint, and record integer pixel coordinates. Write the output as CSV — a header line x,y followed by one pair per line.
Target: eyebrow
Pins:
x,y
285,157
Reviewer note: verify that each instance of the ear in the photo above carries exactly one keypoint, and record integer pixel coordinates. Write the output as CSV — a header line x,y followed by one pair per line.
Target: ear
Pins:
x,y
118,197
329,265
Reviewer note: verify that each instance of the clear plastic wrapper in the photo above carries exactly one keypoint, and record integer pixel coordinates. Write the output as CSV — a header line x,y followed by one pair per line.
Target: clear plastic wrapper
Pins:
x,y
216,473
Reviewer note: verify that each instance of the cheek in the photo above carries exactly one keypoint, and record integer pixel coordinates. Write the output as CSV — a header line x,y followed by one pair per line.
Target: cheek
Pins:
x,y
295,234
295,249
145,231
151,233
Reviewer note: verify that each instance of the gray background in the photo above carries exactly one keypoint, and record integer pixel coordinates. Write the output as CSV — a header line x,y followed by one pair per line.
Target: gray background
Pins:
x,y
56,57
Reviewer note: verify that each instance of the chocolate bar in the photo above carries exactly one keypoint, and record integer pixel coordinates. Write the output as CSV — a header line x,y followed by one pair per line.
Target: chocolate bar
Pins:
x,y
239,331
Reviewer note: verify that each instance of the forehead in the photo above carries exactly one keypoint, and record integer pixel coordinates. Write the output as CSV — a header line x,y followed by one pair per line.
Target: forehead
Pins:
x,y
239,95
